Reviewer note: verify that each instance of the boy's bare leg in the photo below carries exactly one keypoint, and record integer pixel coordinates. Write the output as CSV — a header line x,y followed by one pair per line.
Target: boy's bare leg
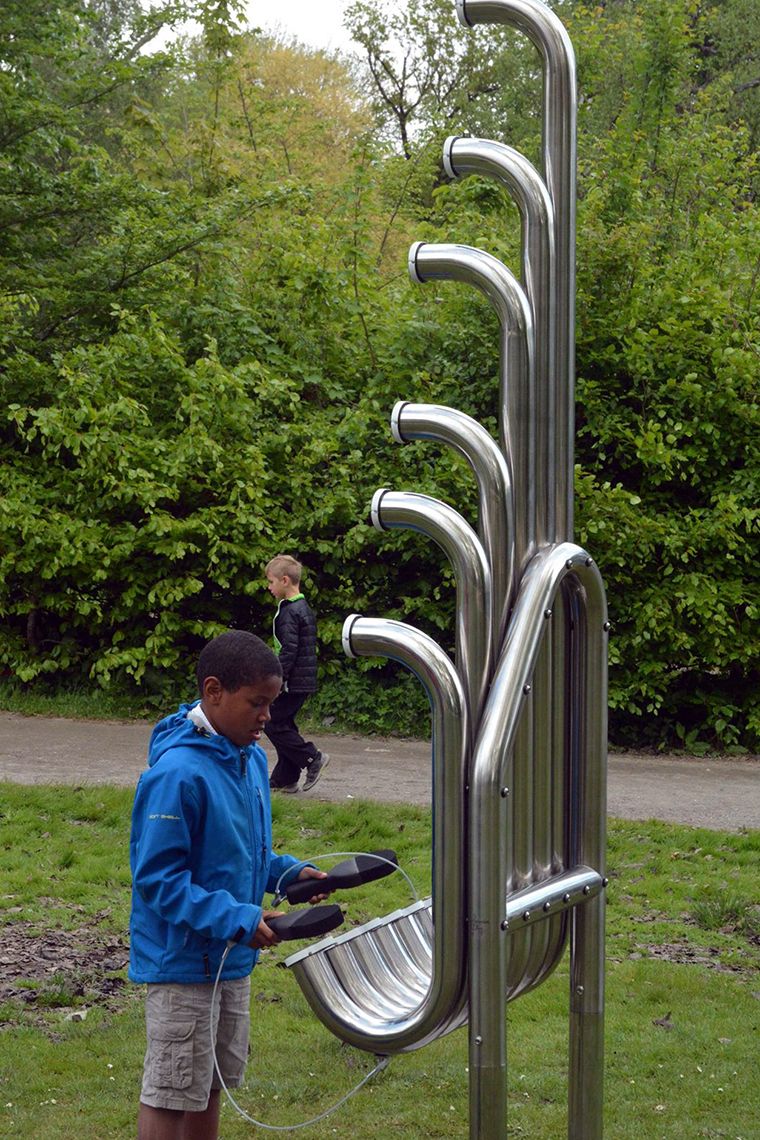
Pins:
x,y
169,1124
203,1125
159,1123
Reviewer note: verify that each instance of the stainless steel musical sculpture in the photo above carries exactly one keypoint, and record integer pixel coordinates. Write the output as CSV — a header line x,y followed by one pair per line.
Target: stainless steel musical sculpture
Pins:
x,y
519,740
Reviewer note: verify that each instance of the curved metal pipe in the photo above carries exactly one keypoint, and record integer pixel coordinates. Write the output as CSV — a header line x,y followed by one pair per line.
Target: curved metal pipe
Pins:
x,y
496,513
547,33
390,1027
463,156
460,543
490,775
429,262
466,156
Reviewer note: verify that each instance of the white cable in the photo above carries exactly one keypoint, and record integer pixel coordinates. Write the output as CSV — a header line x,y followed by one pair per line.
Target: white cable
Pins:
x,y
382,1062
332,855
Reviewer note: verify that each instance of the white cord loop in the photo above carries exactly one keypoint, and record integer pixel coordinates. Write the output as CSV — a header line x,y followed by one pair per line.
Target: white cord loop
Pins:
x,y
381,1061
278,897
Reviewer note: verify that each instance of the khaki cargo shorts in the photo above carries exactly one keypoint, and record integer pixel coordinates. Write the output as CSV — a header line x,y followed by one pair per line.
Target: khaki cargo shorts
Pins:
x,y
179,1068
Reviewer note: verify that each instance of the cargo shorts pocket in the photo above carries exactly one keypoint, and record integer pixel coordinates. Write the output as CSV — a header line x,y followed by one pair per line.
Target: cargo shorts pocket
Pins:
x,y
170,1061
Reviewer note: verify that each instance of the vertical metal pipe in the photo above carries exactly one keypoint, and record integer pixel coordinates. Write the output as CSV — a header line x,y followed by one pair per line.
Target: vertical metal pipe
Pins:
x,y
586,1075
546,32
517,368
588,731
496,526
540,809
519,836
560,735
439,521
489,938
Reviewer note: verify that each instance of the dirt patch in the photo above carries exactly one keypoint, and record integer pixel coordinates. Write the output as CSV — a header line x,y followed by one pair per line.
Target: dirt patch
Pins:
x,y
66,971
684,955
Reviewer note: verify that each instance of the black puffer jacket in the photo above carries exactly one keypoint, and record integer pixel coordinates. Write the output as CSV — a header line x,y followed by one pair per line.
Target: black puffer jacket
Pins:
x,y
295,628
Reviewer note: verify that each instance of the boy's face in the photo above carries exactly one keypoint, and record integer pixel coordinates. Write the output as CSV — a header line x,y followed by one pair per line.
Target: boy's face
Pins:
x,y
278,585
240,716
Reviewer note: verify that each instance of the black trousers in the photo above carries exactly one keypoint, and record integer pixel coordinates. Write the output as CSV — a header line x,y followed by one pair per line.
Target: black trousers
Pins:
x,y
293,752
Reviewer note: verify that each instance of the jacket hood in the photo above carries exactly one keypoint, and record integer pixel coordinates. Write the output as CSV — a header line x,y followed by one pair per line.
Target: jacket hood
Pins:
x,y
176,730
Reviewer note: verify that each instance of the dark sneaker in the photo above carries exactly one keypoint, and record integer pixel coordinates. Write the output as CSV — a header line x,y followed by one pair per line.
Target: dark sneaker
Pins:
x,y
289,789
314,770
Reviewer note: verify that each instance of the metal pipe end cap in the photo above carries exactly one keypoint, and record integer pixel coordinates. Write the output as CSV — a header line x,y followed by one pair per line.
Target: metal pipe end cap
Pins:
x,y
398,407
374,509
448,162
412,262
462,14
345,636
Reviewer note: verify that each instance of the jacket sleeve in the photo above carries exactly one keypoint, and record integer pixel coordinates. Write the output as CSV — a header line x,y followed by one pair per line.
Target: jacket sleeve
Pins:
x,y
165,815
283,870
288,632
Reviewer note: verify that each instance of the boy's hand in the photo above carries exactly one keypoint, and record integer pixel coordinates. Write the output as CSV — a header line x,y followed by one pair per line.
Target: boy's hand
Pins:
x,y
313,873
264,935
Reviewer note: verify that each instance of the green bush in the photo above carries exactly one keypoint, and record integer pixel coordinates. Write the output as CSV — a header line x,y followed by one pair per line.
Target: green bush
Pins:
x,y
204,330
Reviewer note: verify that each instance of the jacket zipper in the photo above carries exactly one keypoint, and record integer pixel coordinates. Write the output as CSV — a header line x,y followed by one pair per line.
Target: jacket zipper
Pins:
x,y
263,851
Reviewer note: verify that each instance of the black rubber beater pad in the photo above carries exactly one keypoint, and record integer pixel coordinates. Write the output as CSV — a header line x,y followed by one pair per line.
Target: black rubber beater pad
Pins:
x,y
352,872
306,923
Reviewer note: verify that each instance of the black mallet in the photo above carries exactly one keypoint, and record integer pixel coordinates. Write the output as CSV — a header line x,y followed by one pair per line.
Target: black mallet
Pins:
x,y
352,872
306,923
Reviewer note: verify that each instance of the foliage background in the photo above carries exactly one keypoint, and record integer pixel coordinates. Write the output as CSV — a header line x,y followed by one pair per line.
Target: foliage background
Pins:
x,y
205,321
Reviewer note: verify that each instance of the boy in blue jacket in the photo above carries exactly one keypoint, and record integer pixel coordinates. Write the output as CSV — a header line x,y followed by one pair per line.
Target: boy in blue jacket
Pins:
x,y
201,859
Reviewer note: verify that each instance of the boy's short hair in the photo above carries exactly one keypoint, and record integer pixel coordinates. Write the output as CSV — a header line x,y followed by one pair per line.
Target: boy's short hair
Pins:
x,y
285,564
236,658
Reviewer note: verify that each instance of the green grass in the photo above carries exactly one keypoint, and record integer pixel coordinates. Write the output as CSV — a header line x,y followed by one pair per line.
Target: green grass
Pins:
x,y
87,703
79,702
683,995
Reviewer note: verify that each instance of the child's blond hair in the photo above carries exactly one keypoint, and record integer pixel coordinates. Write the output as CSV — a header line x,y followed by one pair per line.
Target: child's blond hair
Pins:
x,y
283,564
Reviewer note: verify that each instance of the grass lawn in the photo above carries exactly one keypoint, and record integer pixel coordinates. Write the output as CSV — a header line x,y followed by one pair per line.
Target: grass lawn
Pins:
x,y
683,991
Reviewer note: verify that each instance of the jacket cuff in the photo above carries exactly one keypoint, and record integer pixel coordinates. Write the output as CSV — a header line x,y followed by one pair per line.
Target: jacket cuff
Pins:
x,y
292,874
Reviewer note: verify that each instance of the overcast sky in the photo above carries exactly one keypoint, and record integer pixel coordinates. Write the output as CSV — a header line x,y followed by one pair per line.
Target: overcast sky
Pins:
x,y
317,23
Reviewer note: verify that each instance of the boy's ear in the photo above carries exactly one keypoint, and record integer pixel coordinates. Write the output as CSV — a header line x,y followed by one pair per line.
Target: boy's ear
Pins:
x,y
212,690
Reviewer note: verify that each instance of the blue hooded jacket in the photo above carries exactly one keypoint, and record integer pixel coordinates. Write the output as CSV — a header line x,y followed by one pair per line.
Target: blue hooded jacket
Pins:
x,y
201,855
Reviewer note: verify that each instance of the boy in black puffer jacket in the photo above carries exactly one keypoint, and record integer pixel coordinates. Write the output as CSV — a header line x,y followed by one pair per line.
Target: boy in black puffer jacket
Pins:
x,y
295,643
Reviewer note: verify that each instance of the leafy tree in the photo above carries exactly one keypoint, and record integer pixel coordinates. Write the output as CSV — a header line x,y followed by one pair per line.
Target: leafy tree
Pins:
x,y
429,75
206,321
729,56
668,378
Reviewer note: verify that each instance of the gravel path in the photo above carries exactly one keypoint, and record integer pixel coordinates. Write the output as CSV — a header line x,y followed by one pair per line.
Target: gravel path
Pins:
x,y
723,794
